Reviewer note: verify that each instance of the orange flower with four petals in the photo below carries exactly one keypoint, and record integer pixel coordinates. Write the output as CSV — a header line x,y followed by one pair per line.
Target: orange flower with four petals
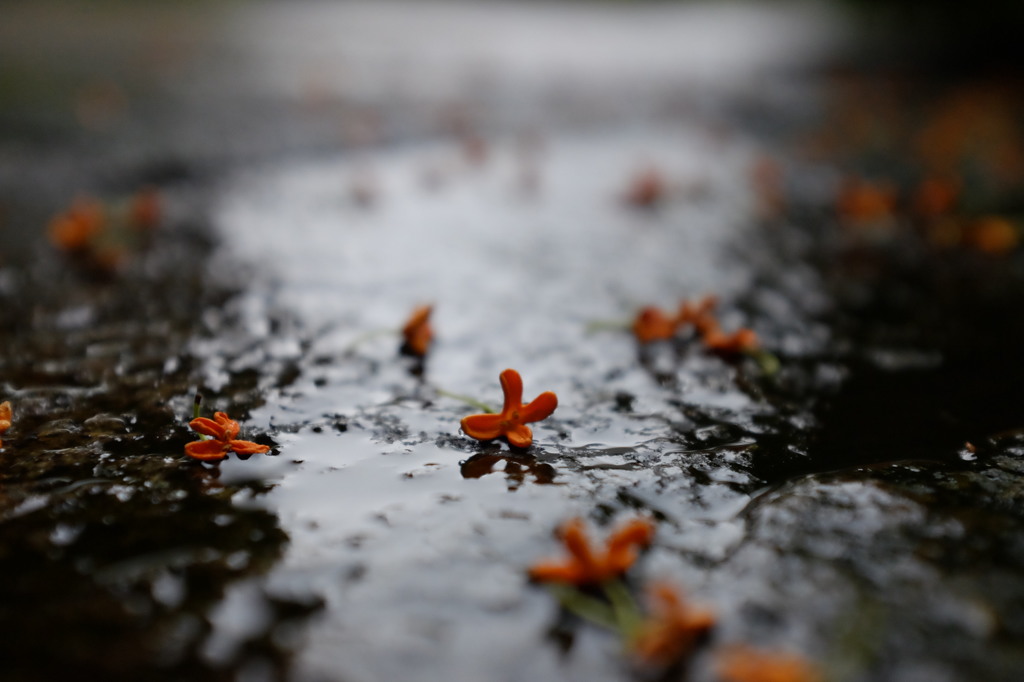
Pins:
x,y
223,432
587,567
512,421
673,628
5,418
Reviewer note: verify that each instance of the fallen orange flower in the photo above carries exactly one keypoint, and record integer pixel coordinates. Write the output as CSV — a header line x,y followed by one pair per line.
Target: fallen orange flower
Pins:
x,y
867,202
647,189
745,664
698,313
5,418
144,210
223,430
741,341
511,421
651,324
417,332
993,235
584,566
75,229
673,628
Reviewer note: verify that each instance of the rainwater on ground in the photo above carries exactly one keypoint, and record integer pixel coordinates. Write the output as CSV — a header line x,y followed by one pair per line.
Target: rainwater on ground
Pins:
x,y
325,168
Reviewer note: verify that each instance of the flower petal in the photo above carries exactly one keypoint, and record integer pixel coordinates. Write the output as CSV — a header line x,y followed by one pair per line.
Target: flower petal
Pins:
x,y
482,426
247,447
231,427
512,386
206,450
208,427
557,572
575,539
539,408
519,435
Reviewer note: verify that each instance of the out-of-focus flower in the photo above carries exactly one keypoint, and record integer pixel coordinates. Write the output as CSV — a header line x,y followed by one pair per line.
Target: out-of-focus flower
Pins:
x,y
144,209
672,629
417,332
860,201
742,340
223,432
512,421
699,313
651,324
742,663
935,196
75,229
5,418
647,188
993,234
586,566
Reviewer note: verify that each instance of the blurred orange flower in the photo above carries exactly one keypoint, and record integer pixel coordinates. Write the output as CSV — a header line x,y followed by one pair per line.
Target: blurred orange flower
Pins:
x,y
511,421
5,418
417,332
585,566
647,188
993,235
867,202
744,664
651,324
699,313
223,430
75,229
144,210
672,629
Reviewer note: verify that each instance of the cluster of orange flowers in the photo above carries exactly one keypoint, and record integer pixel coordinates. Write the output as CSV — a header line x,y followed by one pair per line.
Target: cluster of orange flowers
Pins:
x,y
652,324
672,628
102,235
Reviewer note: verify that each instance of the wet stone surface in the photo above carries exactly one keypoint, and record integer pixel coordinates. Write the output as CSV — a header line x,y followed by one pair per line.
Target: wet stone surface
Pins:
x,y
832,508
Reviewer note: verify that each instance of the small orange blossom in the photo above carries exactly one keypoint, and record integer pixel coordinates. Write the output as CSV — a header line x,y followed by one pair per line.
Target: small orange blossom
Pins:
x,y
647,188
5,417
585,566
651,324
672,629
511,421
75,229
223,430
417,332
744,664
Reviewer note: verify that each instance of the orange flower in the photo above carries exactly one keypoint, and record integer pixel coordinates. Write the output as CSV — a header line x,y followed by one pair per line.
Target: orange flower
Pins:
x,y
745,664
417,333
740,341
75,229
511,421
698,313
936,196
647,189
587,567
993,235
653,325
144,210
223,430
5,418
673,628
863,201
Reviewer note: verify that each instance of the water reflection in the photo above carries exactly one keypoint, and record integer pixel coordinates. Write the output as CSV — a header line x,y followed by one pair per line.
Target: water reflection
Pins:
x,y
516,467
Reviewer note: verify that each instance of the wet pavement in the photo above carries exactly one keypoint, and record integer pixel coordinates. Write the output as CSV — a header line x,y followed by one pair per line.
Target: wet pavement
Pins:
x,y
323,169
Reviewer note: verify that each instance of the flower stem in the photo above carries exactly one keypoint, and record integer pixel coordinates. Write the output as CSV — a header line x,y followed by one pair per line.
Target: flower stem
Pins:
x,y
624,607
768,362
366,336
196,402
606,326
587,608
473,402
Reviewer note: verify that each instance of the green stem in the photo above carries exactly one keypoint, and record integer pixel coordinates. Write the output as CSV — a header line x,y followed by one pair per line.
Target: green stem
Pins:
x,y
627,614
473,402
768,363
195,405
606,326
585,607
367,336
